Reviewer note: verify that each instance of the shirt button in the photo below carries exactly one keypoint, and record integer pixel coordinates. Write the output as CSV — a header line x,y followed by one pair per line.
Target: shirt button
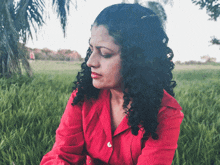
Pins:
x,y
109,144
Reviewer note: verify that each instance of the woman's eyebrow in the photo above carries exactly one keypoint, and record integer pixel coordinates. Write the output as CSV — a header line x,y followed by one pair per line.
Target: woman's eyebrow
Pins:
x,y
99,47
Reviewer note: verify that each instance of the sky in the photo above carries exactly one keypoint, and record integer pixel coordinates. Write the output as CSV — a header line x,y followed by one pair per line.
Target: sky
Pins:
x,y
187,27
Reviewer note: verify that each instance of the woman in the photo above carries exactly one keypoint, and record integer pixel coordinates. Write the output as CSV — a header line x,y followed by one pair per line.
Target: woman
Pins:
x,y
122,110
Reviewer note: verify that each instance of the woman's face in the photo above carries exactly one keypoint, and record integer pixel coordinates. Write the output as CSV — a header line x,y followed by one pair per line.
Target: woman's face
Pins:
x,y
105,61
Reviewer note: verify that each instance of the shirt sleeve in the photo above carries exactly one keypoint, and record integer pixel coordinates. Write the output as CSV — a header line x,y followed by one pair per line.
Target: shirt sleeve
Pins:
x,y
69,141
161,151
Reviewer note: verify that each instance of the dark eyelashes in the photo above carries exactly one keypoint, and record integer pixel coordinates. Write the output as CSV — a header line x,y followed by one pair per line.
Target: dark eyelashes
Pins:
x,y
106,56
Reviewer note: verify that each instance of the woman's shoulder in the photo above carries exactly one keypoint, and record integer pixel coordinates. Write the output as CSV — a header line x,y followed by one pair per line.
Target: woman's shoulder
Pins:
x,y
170,101
93,107
170,108
103,95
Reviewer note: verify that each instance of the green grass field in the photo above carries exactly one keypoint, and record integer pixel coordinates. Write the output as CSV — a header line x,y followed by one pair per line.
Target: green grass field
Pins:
x,y
31,108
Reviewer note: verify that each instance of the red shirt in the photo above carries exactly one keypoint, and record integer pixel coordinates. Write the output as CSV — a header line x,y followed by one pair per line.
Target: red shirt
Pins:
x,y
84,136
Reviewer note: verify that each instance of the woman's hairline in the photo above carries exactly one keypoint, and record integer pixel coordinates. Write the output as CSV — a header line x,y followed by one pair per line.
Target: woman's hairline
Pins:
x,y
106,26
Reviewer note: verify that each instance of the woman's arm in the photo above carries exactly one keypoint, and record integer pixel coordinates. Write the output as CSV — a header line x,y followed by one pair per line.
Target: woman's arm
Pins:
x,y
69,142
161,151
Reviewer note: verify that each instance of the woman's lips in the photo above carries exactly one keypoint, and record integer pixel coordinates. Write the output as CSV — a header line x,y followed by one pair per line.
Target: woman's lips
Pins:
x,y
95,75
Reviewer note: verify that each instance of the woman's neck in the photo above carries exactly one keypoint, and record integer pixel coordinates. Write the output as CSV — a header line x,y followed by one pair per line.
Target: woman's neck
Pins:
x,y
117,96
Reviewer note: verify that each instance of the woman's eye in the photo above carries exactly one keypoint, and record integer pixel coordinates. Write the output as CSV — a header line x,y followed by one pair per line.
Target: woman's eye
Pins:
x,y
107,56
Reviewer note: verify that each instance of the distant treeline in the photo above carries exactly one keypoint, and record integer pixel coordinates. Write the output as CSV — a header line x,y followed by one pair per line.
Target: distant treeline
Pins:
x,y
47,54
206,60
196,63
60,55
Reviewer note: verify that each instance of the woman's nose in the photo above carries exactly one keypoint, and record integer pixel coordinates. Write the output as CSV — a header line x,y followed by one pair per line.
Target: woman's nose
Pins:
x,y
93,60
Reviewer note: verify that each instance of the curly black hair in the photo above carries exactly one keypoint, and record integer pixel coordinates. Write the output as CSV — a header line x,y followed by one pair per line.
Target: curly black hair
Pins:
x,y
146,64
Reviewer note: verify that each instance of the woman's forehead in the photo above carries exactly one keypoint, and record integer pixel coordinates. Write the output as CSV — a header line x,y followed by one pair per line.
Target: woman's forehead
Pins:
x,y
99,34
101,38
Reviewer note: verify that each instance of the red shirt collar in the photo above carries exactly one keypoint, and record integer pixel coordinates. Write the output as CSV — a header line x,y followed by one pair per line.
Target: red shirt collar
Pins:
x,y
169,101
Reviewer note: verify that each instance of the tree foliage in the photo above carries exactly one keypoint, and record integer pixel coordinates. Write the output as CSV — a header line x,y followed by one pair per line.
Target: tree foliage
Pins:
x,y
215,41
18,21
12,29
213,10
62,9
212,7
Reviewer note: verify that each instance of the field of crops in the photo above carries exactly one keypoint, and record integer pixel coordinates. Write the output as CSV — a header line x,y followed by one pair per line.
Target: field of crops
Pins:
x,y
31,108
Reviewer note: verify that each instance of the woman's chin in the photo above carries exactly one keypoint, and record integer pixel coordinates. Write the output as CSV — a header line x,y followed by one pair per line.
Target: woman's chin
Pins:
x,y
98,86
